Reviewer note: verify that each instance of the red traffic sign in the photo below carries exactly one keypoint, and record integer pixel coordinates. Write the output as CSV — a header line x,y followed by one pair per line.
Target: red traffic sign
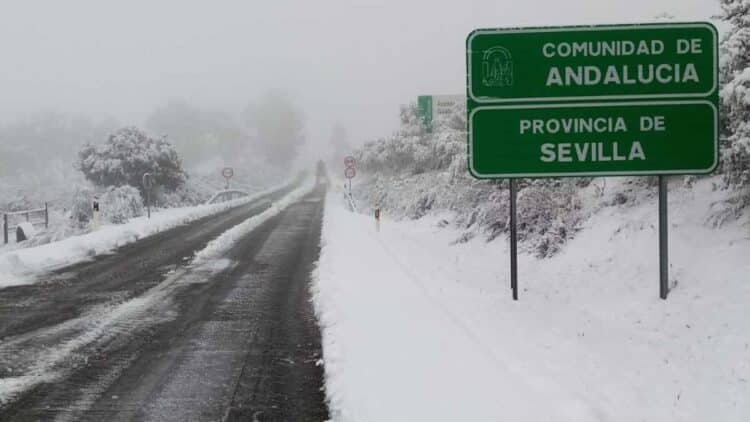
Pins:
x,y
349,173
349,161
228,172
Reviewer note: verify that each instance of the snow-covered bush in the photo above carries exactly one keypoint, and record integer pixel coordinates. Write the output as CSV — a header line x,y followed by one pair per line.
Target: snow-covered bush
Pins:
x,y
81,211
412,173
549,213
119,204
185,195
127,156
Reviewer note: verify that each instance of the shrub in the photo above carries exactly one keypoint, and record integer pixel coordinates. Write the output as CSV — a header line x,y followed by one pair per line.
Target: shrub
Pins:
x,y
81,211
120,204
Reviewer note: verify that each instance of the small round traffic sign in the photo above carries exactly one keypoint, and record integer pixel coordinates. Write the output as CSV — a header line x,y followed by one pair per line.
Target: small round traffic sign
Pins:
x,y
349,173
349,161
228,172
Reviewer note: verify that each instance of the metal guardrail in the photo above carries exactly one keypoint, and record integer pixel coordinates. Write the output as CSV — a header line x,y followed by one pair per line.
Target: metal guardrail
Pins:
x,y
227,195
13,219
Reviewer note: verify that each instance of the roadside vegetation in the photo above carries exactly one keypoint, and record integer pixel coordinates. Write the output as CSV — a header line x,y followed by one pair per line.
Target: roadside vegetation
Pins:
x,y
414,173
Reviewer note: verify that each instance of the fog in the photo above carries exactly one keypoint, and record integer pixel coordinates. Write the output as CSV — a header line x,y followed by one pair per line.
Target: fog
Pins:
x,y
345,64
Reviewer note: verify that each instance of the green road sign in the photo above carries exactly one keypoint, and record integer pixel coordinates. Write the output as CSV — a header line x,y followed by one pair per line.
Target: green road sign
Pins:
x,y
595,101
424,107
589,139
430,107
592,63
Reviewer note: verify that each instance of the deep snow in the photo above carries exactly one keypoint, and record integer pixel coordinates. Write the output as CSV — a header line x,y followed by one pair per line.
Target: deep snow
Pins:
x,y
417,329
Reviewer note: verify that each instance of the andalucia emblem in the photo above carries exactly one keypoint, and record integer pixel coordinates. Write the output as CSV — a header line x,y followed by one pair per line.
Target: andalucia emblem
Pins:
x,y
497,67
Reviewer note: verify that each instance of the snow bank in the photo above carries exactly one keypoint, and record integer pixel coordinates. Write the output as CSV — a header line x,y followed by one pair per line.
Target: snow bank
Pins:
x,y
415,329
223,243
21,266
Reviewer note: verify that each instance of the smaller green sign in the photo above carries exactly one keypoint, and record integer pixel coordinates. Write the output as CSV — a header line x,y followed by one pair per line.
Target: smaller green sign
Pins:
x,y
424,107
591,139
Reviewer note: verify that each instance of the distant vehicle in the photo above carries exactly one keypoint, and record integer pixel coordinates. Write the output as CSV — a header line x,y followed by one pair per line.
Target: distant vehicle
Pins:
x,y
321,174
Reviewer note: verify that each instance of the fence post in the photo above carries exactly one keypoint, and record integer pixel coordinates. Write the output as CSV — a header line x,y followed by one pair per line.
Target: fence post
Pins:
x,y
46,216
5,228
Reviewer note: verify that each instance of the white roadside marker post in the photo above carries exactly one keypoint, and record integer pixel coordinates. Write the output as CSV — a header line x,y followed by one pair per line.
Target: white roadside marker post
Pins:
x,y
95,212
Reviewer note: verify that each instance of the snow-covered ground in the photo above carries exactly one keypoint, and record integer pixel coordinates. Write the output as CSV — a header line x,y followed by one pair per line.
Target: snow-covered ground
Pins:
x,y
417,329
22,265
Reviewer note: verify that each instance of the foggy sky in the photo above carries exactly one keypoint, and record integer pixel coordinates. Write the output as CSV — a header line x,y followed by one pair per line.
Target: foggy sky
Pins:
x,y
343,61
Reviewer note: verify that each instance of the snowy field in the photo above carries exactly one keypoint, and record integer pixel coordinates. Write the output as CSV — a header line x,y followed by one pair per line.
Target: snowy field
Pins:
x,y
417,329
22,265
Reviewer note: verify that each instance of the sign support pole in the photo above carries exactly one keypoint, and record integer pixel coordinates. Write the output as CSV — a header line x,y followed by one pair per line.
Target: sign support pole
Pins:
x,y
663,240
513,241
148,183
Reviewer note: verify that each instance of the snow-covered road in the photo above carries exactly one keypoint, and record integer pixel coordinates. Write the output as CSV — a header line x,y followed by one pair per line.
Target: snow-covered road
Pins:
x,y
159,332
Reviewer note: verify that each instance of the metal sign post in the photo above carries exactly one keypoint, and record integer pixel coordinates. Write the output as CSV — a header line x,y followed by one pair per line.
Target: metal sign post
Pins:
x,y
615,100
513,241
148,184
349,171
663,240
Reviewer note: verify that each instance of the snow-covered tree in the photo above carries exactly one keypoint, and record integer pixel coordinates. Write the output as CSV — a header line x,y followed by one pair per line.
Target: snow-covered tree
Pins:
x,y
735,94
409,150
126,156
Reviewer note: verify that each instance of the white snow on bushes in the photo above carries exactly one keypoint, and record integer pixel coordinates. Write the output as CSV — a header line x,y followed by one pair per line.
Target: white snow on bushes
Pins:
x,y
23,265
417,329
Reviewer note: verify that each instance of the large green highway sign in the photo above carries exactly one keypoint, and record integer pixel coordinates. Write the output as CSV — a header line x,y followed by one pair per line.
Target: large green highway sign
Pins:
x,y
593,138
596,101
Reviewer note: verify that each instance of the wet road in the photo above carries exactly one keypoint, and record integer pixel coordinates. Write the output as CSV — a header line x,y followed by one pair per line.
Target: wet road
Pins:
x,y
145,335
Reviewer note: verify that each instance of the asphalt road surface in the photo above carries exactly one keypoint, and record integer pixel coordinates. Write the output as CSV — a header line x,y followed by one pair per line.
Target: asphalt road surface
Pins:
x,y
144,335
